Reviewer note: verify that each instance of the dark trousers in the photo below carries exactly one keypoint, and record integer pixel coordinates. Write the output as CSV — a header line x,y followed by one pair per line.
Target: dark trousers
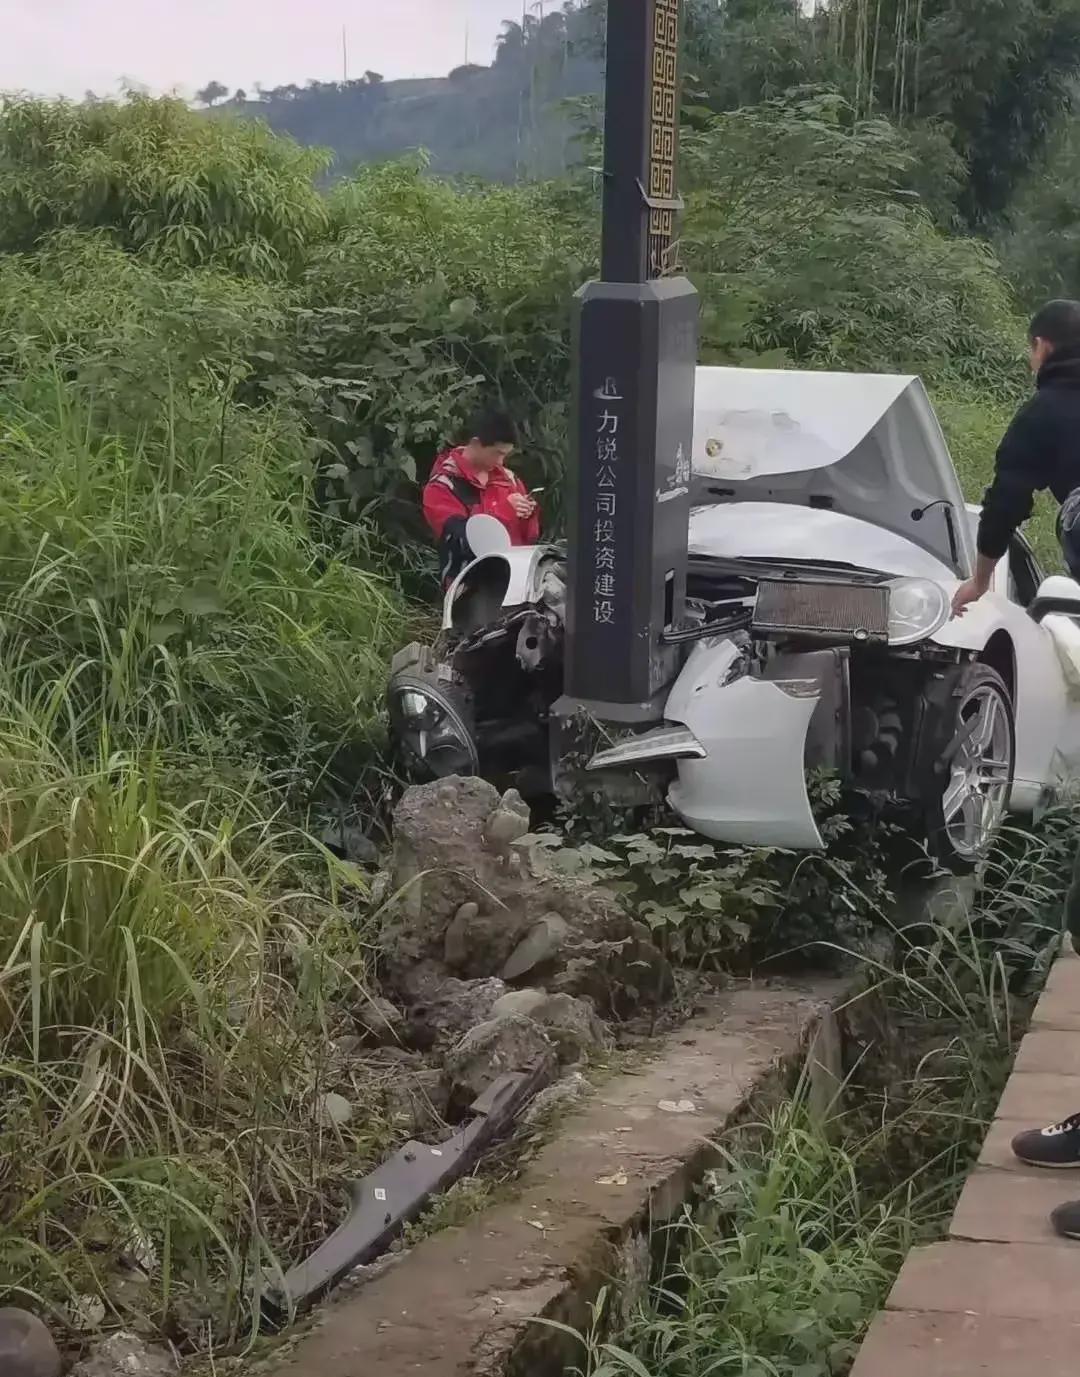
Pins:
x,y
1072,902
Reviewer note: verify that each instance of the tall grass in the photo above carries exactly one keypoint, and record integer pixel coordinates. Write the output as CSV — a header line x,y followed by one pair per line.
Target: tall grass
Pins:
x,y
171,980
172,588
795,1246
181,664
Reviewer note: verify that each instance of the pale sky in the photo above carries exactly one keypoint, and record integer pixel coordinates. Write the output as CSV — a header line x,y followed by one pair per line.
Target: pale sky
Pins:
x,y
69,46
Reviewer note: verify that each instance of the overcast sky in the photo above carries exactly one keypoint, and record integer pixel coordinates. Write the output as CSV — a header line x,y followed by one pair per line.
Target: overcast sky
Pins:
x,y
70,46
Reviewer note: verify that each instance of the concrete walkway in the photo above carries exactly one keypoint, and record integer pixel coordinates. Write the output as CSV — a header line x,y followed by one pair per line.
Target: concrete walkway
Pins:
x,y
1000,1298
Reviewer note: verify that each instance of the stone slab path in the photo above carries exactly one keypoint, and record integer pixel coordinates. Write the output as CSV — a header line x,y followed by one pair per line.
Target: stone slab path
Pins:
x,y
1001,1297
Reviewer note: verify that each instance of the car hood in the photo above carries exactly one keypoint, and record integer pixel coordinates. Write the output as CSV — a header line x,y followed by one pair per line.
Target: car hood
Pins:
x,y
864,445
775,531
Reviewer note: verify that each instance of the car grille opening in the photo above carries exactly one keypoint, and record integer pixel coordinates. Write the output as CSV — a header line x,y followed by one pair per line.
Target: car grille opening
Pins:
x,y
834,610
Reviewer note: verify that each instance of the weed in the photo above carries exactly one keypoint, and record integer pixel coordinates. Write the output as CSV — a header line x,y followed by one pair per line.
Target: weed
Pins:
x,y
795,1244
724,907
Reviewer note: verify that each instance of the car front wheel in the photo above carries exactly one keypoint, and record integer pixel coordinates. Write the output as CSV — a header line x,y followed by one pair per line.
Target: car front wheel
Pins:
x,y
969,761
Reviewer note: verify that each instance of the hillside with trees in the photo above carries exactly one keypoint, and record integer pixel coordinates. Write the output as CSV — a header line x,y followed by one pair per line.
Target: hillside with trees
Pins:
x,y
222,376
502,122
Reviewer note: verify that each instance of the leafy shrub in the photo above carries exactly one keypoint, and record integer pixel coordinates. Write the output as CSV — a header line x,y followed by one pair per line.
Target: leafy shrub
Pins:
x,y
808,251
159,180
725,907
425,299
140,348
1039,242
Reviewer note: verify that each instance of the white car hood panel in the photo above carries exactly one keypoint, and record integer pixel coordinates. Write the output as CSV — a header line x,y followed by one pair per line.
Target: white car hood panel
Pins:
x,y
866,444
773,530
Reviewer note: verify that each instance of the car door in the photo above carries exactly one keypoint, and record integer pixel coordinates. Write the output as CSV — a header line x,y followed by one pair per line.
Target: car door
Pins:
x,y
1047,716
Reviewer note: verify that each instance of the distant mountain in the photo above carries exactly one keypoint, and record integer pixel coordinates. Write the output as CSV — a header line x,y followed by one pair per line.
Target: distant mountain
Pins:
x,y
502,122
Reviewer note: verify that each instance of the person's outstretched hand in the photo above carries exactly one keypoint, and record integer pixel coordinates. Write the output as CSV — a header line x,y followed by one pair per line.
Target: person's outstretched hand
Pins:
x,y
968,592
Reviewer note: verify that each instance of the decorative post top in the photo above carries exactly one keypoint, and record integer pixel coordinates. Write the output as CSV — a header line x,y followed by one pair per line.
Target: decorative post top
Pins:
x,y
641,140
664,138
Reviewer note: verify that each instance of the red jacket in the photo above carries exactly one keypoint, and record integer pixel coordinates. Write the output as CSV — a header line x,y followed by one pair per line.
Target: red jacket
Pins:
x,y
452,474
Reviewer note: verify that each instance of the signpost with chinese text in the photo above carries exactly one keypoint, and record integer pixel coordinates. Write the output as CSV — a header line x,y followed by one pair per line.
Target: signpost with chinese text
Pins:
x,y
637,351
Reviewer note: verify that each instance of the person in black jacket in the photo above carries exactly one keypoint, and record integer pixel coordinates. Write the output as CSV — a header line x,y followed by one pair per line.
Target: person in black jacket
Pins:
x,y
1040,450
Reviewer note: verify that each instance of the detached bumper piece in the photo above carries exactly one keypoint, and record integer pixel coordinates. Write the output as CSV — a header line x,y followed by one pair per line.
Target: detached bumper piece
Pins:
x,y
750,786
396,1193
662,743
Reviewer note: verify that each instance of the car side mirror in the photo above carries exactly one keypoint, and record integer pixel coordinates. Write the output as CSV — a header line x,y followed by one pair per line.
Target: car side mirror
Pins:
x,y
1056,594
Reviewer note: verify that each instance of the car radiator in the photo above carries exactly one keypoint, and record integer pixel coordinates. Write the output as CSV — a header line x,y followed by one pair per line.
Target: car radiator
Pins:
x,y
832,611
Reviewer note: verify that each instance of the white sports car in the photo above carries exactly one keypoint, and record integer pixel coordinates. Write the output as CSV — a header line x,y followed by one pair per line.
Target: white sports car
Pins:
x,y
827,536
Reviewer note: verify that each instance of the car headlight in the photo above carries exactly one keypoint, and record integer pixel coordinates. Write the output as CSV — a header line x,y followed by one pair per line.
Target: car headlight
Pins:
x,y
917,608
432,726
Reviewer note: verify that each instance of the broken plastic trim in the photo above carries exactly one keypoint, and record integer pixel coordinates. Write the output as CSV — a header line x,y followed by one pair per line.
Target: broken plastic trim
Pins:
x,y
396,1192
662,743
798,688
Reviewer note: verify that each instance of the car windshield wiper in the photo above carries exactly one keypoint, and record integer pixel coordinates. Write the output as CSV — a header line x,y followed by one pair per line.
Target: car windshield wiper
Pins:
x,y
783,568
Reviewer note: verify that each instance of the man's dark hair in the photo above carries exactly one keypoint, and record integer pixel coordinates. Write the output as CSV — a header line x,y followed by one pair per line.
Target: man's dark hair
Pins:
x,y
1058,322
493,427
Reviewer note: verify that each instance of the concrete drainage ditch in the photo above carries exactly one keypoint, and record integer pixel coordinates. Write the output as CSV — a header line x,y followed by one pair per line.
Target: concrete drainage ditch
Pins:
x,y
491,963
464,1300
625,1158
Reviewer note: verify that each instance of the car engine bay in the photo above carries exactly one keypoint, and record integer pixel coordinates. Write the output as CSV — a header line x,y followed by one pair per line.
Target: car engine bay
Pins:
x,y
480,698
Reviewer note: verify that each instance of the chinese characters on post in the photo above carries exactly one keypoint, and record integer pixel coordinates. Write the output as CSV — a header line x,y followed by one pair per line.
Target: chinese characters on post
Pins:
x,y
607,459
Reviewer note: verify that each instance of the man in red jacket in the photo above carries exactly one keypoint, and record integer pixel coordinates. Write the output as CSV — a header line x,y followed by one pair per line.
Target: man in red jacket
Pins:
x,y
473,480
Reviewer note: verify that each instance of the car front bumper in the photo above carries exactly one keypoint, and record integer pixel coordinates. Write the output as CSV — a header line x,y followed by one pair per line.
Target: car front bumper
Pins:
x,y
740,744
750,788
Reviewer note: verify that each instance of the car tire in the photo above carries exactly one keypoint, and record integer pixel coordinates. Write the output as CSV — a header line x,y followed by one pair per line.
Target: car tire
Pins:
x,y
967,765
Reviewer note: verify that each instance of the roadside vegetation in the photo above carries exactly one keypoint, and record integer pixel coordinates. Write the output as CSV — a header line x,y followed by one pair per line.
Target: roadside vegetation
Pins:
x,y
783,1263
221,377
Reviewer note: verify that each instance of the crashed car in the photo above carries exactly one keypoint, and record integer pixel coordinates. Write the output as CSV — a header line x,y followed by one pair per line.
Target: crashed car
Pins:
x,y
827,535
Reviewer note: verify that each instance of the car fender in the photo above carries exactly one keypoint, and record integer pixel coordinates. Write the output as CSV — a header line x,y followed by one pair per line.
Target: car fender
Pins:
x,y
981,620
520,564
750,788
1039,696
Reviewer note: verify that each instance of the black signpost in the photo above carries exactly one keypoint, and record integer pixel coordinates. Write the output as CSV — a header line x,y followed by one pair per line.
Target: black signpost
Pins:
x,y
636,353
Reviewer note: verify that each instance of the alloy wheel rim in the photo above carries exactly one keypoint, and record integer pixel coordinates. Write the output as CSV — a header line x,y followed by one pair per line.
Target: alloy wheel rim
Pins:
x,y
980,767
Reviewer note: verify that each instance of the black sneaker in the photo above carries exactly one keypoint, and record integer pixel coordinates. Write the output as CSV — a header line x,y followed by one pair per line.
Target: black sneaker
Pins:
x,y
1066,1220
1057,1146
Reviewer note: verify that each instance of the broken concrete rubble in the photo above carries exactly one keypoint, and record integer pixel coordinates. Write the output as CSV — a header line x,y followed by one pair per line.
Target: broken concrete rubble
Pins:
x,y
571,1023
456,946
379,1022
125,1355
476,900
508,823
472,916
334,1110
447,1007
509,1043
556,1099
539,947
